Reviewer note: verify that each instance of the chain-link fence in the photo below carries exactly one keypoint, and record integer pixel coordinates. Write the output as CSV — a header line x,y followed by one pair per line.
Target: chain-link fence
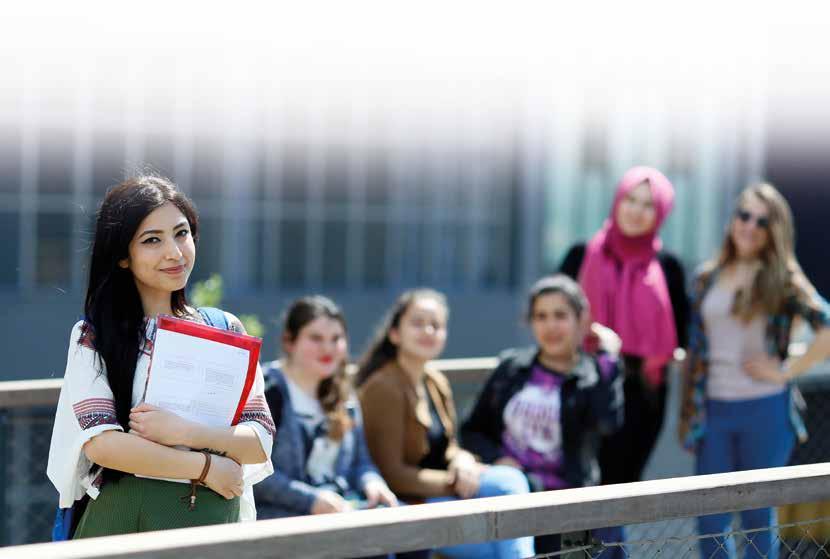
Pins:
x,y
28,499
797,540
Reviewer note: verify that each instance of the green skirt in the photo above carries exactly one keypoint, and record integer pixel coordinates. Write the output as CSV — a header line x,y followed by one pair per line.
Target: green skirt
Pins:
x,y
134,504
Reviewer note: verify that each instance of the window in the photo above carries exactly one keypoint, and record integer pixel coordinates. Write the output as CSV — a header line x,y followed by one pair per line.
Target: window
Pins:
x,y
292,243
52,268
335,253
55,155
209,250
10,255
10,160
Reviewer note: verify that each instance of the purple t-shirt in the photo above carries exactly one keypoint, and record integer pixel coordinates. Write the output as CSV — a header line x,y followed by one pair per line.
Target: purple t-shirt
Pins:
x,y
533,428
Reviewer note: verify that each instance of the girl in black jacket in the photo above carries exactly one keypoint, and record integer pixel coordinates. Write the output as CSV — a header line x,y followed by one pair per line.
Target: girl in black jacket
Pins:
x,y
544,408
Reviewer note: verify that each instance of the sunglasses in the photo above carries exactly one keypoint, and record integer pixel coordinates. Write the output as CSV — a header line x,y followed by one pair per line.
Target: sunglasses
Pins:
x,y
761,221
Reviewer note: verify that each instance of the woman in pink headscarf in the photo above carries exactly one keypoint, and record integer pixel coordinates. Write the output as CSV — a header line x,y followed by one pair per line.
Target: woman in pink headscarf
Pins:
x,y
639,291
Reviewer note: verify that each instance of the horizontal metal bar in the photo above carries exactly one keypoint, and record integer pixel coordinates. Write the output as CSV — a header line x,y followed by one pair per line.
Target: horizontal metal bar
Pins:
x,y
427,526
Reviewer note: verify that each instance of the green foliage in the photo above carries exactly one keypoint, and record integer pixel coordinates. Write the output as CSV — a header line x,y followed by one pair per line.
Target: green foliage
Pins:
x,y
208,293
253,325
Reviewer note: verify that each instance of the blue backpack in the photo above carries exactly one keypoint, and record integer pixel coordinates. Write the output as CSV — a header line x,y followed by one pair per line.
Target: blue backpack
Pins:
x,y
66,520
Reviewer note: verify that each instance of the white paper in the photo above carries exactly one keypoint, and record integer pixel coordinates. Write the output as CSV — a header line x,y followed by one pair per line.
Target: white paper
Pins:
x,y
197,379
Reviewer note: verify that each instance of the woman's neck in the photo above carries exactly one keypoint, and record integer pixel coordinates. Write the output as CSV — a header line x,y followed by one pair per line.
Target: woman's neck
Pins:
x,y
155,303
563,363
306,383
413,367
742,270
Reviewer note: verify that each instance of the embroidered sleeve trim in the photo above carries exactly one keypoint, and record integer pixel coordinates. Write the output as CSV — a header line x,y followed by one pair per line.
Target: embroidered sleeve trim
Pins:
x,y
95,411
256,410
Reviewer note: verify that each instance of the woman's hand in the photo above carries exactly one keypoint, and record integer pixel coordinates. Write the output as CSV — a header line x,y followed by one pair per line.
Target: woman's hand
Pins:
x,y
682,433
224,477
378,493
466,472
160,426
601,338
766,369
329,502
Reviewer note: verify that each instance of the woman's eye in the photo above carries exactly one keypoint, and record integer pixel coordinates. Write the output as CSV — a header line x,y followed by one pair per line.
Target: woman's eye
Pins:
x,y
183,233
150,240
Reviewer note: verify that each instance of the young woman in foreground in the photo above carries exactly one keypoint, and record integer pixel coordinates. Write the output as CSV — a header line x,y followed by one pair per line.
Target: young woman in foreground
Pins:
x,y
104,436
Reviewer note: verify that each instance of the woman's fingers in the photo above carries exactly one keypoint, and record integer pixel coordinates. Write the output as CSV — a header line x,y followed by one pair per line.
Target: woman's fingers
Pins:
x,y
144,407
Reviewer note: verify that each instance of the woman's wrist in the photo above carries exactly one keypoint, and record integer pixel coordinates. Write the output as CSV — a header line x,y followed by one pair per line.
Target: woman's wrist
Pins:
x,y
195,464
197,436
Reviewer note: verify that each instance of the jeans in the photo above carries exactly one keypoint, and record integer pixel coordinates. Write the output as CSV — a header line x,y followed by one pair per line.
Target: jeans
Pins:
x,y
494,481
744,435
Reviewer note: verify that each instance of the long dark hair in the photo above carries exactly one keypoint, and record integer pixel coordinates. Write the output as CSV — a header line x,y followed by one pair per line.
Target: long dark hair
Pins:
x,y
332,392
113,307
381,350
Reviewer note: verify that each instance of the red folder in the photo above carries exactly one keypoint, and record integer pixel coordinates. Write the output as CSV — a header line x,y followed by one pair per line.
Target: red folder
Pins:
x,y
250,343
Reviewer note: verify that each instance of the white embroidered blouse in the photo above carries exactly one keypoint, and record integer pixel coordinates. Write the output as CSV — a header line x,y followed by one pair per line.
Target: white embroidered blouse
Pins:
x,y
86,408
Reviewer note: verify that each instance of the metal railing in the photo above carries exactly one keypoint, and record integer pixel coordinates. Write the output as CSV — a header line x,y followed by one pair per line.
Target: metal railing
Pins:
x,y
28,500
376,532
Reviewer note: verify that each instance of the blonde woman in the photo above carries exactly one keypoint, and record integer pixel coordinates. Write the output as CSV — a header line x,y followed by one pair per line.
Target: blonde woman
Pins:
x,y
738,409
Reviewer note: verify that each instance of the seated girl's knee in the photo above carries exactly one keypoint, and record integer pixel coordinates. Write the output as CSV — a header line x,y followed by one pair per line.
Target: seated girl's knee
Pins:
x,y
509,480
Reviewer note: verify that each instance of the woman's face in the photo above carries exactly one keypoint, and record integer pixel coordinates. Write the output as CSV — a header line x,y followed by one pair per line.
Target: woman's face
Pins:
x,y
422,332
319,349
636,214
162,252
750,228
555,326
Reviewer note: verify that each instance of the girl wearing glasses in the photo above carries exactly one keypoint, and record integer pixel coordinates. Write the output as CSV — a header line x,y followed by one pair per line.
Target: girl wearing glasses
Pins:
x,y
738,410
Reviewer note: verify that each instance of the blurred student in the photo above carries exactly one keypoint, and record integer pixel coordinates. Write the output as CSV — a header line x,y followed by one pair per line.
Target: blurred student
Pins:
x,y
320,457
638,290
544,408
410,420
739,406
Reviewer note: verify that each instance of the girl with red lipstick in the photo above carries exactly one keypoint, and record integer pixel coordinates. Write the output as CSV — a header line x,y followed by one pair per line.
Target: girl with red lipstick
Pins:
x,y
544,408
320,455
411,424
104,437
638,290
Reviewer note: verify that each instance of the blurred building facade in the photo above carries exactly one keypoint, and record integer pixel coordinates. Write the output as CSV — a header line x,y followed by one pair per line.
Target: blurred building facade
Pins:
x,y
357,205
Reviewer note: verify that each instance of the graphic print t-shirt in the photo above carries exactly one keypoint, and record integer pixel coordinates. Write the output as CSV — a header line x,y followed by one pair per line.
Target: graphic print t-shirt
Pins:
x,y
533,428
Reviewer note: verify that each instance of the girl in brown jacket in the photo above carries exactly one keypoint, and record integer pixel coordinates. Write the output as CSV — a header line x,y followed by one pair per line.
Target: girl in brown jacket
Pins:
x,y
410,422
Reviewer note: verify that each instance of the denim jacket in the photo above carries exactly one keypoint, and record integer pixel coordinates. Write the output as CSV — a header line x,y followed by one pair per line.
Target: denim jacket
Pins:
x,y
288,492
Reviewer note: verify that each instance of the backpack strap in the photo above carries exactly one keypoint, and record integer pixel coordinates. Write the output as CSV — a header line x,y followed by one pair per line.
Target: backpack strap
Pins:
x,y
214,317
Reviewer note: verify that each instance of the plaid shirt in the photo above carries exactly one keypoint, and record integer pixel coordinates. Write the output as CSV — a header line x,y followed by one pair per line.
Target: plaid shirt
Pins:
x,y
815,313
